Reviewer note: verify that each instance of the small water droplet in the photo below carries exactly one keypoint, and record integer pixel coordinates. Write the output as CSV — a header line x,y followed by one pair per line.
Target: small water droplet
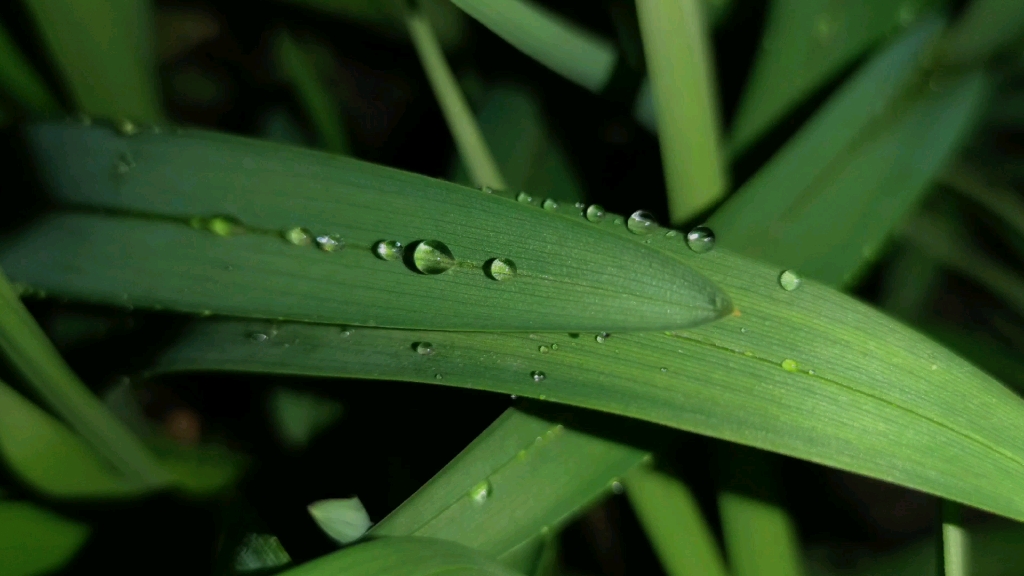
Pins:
x,y
438,377
423,348
811,372
524,198
789,365
701,239
789,280
616,487
550,204
513,396
432,257
538,376
543,349
330,242
500,269
554,347
298,236
126,127
744,330
389,250
346,332
664,370
481,492
602,337
580,205
487,189
223,225
595,213
641,222
671,234
258,337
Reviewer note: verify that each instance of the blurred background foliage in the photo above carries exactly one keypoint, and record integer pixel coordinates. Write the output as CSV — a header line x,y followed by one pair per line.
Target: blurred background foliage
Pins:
x,y
343,75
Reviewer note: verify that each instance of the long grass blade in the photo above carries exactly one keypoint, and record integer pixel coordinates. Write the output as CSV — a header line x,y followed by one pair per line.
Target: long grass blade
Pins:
x,y
680,64
483,170
956,544
115,77
297,63
673,521
559,271
19,80
399,556
32,354
35,540
805,43
985,27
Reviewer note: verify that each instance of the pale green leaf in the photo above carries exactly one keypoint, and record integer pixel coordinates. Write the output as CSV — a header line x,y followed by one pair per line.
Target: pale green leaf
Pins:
x,y
35,541
343,519
298,416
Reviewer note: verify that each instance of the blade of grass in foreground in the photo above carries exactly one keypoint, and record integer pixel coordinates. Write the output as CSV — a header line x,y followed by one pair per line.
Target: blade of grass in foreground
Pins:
x,y
35,540
399,556
673,521
112,78
510,265
32,354
19,80
805,43
956,545
468,139
680,64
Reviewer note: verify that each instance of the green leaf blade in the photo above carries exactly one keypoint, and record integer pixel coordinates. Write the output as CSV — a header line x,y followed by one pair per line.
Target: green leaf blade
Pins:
x,y
35,540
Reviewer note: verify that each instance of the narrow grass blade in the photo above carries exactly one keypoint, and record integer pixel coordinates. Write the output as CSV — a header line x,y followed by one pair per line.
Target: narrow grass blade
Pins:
x,y
18,79
486,498
956,545
561,272
673,522
402,557
296,62
468,139
34,357
526,152
53,460
574,53
343,519
760,538
104,50
842,189
35,540
680,65
985,27
805,43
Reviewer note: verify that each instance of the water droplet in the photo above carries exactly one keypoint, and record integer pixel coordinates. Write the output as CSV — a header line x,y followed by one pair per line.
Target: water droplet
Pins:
x,y
298,236
543,349
329,242
423,348
432,257
513,396
500,269
789,280
126,127
487,189
438,377
641,222
550,204
389,250
580,205
595,213
346,332
602,337
481,492
538,376
524,198
671,234
744,330
701,239
811,372
258,337
664,370
554,347
223,225
616,487
789,365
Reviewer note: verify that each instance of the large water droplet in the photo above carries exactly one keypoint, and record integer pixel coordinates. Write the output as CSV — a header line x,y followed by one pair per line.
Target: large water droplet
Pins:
x,y
298,236
330,242
595,213
538,376
258,337
389,250
602,337
616,487
423,348
789,280
126,127
543,349
789,365
500,269
481,492
641,222
701,239
432,257
550,204
524,198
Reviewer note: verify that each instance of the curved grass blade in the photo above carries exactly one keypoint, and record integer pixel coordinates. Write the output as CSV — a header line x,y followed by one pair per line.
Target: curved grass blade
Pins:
x,y
32,354
19,80
672,519
956,544
483,498
846,180
679,62
296,62
35,540
343,519
115,77
805,43
572,52
809,373
569,274
985,27
468,139
399,556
